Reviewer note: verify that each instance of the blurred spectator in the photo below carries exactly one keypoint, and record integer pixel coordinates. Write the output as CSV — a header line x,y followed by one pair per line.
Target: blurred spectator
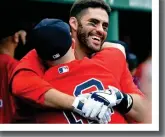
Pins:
x,y
144,74
11,36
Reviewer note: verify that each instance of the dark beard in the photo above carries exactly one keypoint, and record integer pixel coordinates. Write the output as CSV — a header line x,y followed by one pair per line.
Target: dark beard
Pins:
x,y
82,37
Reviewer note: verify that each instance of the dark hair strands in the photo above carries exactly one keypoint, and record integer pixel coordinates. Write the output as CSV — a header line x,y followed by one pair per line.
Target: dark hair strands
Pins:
x,y
81,5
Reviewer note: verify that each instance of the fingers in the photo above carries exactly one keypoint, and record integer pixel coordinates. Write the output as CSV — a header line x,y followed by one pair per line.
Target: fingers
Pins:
x,y
108,114
105,115
103,120
97,109
88,107
103,111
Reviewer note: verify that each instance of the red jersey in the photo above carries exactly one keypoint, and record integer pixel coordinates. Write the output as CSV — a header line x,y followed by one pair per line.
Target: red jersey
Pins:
x,y
28,87
106,68
7,108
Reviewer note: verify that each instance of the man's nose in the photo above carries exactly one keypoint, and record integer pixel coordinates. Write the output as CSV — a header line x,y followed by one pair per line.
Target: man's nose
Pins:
x,y
100,29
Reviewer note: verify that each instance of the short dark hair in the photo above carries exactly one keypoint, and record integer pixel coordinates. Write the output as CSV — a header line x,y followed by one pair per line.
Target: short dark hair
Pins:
x,y
80,5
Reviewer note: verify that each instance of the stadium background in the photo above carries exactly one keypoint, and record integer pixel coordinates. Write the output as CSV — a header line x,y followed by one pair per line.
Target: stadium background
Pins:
x,y
130,20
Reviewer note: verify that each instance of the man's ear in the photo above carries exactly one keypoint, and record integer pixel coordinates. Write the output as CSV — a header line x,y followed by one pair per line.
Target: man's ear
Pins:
x,y
15,37
20,35
73,23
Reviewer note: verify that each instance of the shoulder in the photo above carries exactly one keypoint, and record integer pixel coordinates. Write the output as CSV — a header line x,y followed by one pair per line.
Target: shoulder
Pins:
x,y
6,58
110,56
115,53
30,62
114,45
30,56
8,61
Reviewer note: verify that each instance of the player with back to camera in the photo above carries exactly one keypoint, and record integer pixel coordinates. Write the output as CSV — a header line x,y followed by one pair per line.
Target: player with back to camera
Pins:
x,y
11,37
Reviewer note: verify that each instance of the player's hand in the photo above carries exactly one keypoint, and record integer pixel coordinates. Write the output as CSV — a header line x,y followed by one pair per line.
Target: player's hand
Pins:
x,y
105,118
97,111
114,97
91,109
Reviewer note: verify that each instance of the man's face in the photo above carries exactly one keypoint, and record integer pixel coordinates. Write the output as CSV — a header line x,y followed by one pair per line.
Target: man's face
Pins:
x,y
92,29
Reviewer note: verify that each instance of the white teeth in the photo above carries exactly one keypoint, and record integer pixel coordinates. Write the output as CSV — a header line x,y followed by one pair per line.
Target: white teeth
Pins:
x,y
96,38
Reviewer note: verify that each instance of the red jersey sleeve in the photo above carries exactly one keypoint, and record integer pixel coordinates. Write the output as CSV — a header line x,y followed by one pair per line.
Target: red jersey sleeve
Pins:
x,y
110,57
114,59
127,83
29,85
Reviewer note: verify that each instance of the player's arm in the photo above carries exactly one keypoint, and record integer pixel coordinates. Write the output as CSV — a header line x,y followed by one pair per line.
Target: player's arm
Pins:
x,y
138,109
131,105
28,85
140,104
141,110
114,45
58,100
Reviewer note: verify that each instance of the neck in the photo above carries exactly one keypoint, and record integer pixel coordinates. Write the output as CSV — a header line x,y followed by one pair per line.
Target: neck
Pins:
x,y
80,51
61,61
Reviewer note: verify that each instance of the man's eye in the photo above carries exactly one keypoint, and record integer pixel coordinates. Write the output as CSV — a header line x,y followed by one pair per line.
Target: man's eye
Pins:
x,y
92,23
105,28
